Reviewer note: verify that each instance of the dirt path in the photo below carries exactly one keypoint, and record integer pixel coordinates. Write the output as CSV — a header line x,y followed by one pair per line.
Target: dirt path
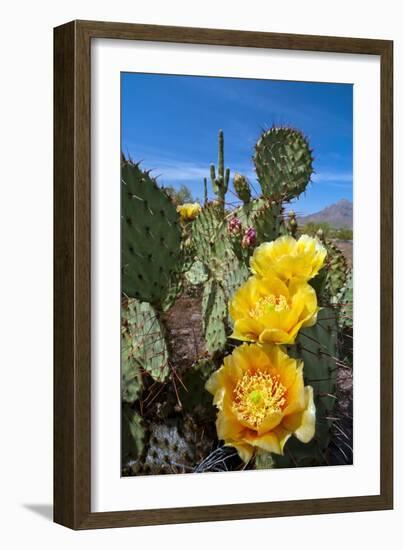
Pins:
x,y
185,332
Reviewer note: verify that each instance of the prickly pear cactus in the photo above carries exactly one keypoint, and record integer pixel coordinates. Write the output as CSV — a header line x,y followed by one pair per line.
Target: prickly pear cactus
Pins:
x,y
247,212
144,343
345,303
283,163
268,222
194,399
236,274
317,347
261,217
211,240
151,236
204,262
215,311
173,447
177,282
133,435
131,371
197,274
173,291
337,271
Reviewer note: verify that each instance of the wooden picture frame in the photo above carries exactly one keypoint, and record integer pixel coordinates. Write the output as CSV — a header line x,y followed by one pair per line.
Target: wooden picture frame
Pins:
x,y
72,270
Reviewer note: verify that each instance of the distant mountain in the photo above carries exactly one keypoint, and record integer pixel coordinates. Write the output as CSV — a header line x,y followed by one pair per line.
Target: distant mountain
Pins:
x,y
339,214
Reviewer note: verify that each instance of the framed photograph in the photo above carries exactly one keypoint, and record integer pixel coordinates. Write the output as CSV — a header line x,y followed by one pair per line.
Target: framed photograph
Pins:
x,y
223,275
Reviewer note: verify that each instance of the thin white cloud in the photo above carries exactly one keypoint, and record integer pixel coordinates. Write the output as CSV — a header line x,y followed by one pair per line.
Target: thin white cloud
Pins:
x,y
335,177
177,171
180,171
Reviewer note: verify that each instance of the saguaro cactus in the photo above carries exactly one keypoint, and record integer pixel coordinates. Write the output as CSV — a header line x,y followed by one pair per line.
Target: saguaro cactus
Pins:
x,y
205,191
220,179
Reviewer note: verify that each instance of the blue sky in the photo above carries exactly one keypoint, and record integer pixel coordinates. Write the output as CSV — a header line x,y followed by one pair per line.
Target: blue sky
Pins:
x,y
171,124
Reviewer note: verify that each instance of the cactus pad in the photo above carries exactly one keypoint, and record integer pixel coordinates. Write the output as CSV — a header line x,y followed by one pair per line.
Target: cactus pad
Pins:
x,y
193,396
151,236
131,371
236,274
246,212
211,240
336,273
133,435
173,291
215,311
317,347
173,447
197,274
345,302
144,339
267,222
283,163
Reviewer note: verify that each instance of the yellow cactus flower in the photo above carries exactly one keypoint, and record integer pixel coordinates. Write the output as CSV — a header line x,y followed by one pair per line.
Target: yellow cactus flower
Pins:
x,y
289,258
188,211
270,311
261,399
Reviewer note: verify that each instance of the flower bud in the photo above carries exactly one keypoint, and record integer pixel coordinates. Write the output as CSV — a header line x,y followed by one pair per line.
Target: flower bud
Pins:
x,y
249,238
234,226
242,188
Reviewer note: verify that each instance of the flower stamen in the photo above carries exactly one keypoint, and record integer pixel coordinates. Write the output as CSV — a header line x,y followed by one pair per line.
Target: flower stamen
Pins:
x,y
258,395
267,304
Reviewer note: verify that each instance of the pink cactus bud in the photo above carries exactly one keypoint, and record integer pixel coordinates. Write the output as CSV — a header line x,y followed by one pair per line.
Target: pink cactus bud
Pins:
x,y
234,226
249,238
